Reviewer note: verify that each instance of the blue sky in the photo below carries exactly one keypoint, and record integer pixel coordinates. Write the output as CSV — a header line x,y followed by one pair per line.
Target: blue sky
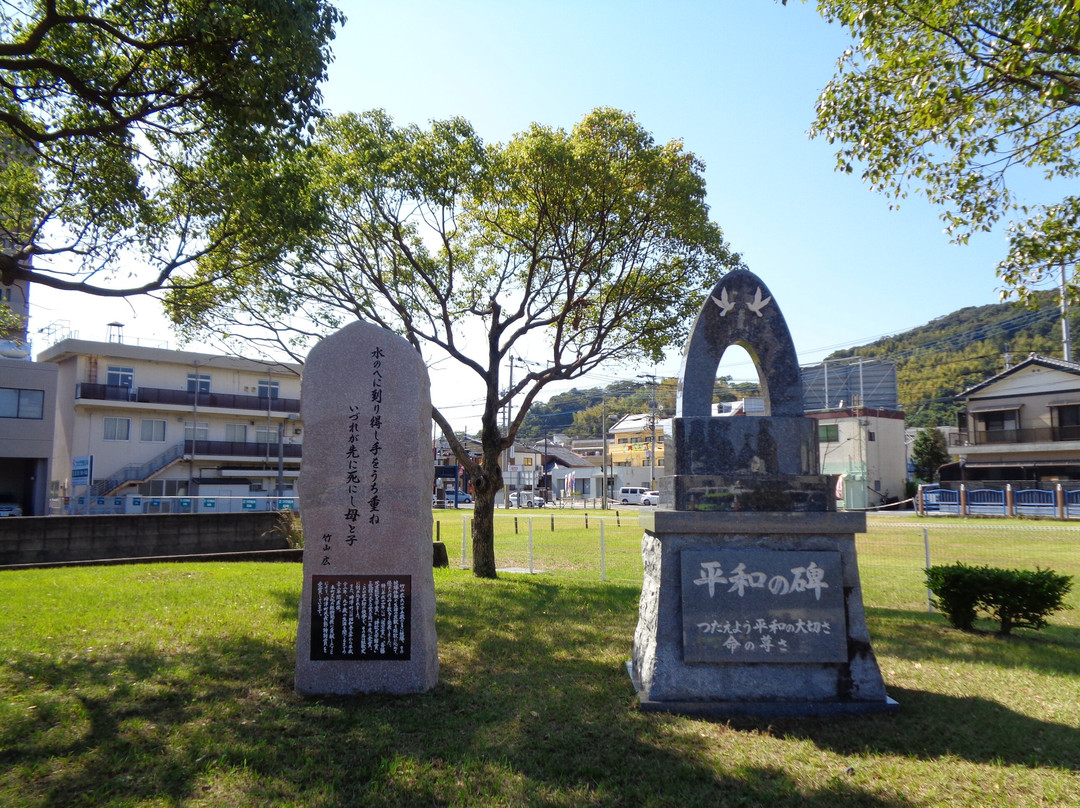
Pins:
x,y
736,80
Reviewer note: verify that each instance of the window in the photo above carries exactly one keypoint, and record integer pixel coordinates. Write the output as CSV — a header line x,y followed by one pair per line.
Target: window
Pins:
x,y
16,403
526,461
1068,416
196,431
266,434
153,430
117,428
237,433
198,383
870,436
828,433
999,421
120,377
164,488
268,389
1066,420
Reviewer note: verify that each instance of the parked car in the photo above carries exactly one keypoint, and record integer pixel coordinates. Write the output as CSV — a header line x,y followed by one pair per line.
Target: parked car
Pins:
x,y
631,495
10,509
650,498
527,500
460,497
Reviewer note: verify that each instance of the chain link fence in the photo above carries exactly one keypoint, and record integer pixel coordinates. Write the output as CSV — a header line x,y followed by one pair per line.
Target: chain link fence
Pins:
x,y
893,552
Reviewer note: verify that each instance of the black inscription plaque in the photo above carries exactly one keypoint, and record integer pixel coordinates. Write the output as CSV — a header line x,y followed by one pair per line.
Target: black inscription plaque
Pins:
x,y
763,606
360,617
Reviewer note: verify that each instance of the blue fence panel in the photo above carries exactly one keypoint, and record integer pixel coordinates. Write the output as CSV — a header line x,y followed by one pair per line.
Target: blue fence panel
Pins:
x,y
1072,503
948,501
1034,501
986,500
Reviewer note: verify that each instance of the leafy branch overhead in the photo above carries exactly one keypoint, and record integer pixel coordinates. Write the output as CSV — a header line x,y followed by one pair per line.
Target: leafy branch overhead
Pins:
x,y
149,132
951,98
576,248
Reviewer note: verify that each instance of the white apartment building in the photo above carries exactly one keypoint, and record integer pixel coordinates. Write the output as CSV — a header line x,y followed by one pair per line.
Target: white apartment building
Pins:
x,y
171,431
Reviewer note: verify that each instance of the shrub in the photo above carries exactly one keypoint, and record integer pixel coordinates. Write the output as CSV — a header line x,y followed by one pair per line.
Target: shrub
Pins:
x,y
287,524
1017,598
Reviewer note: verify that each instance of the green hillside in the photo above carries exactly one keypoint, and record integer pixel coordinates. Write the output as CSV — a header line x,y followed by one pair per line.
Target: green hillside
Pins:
x,y
934,363
937,361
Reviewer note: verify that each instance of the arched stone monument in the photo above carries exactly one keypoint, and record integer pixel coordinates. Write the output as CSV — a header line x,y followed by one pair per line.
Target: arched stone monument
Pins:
x,y
751,603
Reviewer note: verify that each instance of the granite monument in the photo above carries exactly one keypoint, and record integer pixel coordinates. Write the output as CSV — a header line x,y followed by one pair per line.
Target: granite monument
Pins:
x,y
367,609
751,602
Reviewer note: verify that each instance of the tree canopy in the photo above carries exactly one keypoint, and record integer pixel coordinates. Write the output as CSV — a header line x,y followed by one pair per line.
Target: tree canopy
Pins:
x,y
138,135
951,98
575,247
929,452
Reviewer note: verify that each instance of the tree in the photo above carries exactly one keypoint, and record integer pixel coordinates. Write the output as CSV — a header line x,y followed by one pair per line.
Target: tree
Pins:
x,y
152,133
929,453
585,247
951,97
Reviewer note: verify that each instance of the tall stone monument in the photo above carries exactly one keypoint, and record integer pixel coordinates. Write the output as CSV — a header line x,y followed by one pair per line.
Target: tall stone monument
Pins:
x,y
751,603
367,609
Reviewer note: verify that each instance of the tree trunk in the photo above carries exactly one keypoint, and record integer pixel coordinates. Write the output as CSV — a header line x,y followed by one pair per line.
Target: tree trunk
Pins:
x,y
483,526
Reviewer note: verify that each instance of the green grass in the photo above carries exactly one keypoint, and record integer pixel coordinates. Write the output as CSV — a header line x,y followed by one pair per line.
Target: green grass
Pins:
x,y
171,685
892,553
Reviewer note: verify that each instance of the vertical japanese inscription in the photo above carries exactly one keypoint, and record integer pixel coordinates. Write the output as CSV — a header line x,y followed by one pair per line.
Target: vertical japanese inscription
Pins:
x,y
361,617
375,423
355,454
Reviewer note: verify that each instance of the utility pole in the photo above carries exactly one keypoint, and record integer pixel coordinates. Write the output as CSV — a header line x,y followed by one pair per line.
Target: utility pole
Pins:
x,y
1066,341
509,397
603,456
652,428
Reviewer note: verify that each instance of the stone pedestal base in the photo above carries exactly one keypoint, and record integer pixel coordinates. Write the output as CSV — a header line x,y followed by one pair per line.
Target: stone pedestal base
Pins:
x,y
759,677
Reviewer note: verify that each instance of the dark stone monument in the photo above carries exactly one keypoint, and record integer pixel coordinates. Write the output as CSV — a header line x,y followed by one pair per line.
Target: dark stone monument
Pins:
x,y
751,603
367,609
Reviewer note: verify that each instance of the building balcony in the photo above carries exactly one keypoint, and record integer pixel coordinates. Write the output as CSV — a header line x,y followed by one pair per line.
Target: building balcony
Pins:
x,y
162,396
247,449
998,437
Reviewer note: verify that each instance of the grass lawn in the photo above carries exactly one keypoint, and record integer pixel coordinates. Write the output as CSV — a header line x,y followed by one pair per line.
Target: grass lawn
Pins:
x,y
171,684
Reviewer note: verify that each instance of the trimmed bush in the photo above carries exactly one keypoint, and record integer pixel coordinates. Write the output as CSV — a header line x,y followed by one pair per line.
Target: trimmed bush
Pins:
x,y
1016,598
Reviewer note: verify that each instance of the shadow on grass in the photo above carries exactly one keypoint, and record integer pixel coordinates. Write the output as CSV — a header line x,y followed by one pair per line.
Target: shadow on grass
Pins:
x,y
931,726
533,708
929,638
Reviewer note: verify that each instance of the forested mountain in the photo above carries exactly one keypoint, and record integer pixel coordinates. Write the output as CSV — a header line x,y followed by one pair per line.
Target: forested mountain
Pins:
x,y
934,364
580,413
937,361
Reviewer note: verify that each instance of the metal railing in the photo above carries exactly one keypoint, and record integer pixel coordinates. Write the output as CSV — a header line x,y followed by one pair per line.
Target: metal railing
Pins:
x,y
251,449
992,437
158,395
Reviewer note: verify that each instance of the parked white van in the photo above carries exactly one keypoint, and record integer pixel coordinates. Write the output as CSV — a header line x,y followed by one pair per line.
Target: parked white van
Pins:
x,y
631,495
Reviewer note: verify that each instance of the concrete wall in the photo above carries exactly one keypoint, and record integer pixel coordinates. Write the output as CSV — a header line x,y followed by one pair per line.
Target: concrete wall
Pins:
x,y
45,539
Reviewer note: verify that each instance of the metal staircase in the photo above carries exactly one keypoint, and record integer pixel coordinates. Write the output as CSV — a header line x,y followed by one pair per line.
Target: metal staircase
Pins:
x,y
137,473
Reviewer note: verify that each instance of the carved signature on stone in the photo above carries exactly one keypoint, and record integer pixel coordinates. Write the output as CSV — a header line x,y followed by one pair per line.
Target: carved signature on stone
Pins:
x,y
724,304
758,303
